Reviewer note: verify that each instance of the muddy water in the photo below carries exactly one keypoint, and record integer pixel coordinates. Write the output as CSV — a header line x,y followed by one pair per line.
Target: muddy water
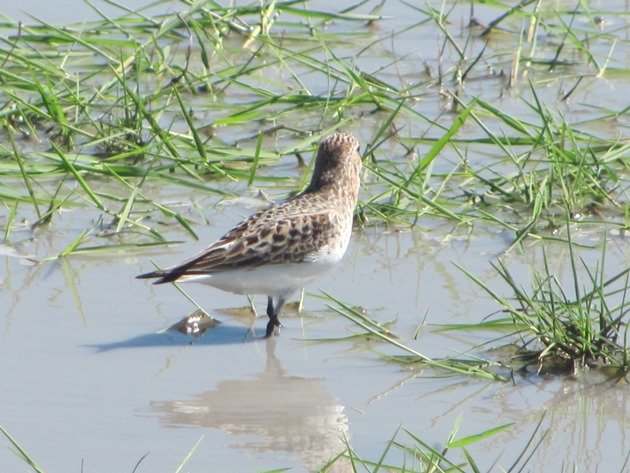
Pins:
x,y
88,382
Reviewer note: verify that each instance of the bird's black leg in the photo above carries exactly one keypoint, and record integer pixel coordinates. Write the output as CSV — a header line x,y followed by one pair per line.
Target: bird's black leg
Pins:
x,y
269,306
273,318
273,326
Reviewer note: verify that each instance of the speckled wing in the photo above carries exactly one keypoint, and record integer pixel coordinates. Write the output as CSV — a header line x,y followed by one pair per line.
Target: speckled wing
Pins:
x,y
285,233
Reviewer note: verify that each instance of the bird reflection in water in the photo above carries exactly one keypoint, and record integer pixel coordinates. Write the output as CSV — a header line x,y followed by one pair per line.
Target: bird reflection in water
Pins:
x,y
284,413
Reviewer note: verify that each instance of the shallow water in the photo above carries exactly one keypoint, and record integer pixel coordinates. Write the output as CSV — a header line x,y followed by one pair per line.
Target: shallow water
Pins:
x,y
88,383
88,379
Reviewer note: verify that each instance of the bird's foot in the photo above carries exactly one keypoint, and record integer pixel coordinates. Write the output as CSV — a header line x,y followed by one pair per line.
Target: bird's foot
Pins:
x,y
273,327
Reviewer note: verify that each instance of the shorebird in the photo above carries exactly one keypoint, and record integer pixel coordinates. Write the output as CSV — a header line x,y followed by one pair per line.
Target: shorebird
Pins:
x,y
282,248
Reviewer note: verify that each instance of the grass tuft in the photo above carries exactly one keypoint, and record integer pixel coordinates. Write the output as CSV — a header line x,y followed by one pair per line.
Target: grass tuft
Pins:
x,y
408,452
565,329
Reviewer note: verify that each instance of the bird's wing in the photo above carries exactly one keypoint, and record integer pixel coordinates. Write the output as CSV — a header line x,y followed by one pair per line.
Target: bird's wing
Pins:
x,y
278,234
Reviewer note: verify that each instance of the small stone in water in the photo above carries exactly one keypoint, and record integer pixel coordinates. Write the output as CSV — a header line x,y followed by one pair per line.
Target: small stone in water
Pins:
x,y
195,324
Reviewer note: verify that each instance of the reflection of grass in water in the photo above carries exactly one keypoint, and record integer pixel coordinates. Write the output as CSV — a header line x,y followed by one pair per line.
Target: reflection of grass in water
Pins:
x,y
143,102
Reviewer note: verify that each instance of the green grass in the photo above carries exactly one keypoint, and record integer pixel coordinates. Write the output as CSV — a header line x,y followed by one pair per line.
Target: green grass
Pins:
x,y
418,455
197,99
21,452
566,329
408,452
372,330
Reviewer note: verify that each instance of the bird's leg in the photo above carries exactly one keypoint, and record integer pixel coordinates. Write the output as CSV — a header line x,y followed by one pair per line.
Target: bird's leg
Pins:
x,y
273,318
273,326
269,306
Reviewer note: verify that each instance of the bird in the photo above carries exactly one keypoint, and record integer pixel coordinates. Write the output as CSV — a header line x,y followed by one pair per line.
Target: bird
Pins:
x,y
280,249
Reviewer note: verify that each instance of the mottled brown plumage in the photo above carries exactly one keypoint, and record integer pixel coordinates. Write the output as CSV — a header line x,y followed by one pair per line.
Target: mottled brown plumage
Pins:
x,y
292,242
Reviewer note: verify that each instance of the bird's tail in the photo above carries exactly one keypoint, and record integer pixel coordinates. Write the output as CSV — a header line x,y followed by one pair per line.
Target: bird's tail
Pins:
x,y
161,275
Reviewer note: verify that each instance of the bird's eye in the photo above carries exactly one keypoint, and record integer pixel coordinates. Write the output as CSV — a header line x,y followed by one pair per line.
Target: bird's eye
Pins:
x,y
358,147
